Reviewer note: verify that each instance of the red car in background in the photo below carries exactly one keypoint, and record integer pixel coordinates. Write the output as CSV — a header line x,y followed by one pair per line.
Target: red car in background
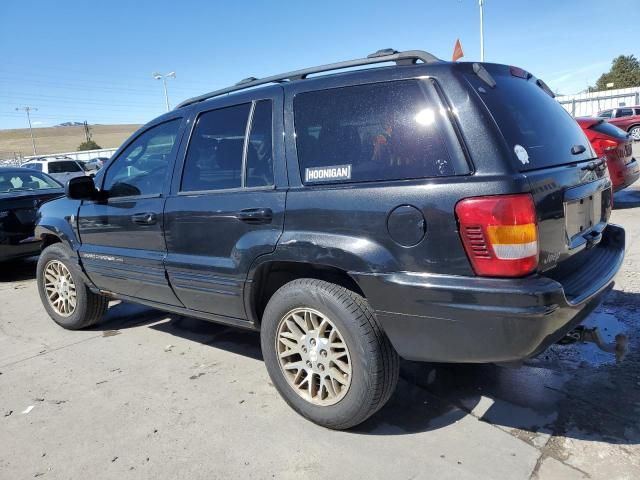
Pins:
x,y
626,118
615,145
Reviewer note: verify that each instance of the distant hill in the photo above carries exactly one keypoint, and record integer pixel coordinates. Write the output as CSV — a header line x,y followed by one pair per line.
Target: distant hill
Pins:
x,y
61,138
69,124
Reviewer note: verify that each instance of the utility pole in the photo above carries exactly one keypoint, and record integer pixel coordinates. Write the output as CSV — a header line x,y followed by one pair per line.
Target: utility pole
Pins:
x,y
481,3
87,131
164,77
29,109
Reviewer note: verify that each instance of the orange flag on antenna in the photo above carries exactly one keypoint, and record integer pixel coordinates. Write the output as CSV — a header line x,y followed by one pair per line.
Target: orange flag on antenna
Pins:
x,y
457,51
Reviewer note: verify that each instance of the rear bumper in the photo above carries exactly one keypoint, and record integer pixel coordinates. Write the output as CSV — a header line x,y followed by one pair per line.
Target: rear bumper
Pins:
x,y
441,318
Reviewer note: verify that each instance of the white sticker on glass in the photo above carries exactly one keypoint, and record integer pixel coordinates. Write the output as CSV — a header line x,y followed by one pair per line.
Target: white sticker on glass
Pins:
x,y
521,153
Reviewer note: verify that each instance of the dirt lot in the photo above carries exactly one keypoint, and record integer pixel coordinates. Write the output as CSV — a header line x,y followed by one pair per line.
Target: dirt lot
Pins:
x,y
61,139
151,395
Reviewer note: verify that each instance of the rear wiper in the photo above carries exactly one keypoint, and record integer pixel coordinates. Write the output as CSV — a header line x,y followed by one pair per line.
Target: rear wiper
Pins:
x,y
598,164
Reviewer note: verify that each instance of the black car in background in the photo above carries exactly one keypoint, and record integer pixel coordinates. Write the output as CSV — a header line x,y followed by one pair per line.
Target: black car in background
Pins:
x,y
22,191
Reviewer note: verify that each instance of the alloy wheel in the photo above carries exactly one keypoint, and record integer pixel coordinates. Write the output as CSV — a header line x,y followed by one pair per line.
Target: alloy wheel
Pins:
x,y
60,288
313,356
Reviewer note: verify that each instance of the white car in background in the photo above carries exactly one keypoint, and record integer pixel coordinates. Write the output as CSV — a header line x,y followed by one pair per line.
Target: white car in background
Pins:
x,y
60,168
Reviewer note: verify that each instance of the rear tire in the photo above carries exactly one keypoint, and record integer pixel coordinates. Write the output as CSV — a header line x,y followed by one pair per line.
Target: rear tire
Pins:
x,y
64,295
635,133
363,364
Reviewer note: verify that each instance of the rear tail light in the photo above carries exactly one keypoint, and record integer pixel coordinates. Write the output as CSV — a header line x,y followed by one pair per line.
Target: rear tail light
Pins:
x,y
499,234
604,144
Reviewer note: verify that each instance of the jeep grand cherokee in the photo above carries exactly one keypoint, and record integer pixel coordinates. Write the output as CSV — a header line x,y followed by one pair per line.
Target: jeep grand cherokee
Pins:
x,y
435,211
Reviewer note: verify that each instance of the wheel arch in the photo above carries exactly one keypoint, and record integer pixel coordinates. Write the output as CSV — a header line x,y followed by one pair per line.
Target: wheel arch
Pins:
x,y
270,275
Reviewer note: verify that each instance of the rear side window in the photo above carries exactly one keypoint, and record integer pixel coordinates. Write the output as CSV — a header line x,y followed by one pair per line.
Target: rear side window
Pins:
x,y
260,147
382,131
608,129
214,157
539,132
624,112
64,167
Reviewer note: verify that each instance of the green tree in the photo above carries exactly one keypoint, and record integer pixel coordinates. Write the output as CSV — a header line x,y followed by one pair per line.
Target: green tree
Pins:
x,y
89,145
624,73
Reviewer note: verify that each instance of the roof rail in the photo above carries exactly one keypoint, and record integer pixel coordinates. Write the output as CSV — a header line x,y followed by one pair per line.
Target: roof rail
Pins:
x,y
408,57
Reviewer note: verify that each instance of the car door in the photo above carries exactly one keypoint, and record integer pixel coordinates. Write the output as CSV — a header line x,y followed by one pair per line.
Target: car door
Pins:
x,y
123,246
227,207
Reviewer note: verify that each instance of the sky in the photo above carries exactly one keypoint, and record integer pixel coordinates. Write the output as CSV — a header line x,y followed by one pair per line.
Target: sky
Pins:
x,y
93,60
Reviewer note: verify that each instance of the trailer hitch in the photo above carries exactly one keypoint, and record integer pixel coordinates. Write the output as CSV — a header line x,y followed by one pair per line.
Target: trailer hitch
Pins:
x,y
592,335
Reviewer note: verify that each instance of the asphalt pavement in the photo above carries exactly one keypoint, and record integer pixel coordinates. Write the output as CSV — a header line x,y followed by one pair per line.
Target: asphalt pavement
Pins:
x,y
151,395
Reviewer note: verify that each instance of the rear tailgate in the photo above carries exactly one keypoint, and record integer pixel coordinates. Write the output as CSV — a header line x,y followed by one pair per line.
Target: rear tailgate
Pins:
x,y
570,185
573,204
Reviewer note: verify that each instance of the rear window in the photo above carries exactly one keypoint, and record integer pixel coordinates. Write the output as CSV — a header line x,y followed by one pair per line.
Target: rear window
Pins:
x,y
382,131
64,167
34,166
539,132
611,130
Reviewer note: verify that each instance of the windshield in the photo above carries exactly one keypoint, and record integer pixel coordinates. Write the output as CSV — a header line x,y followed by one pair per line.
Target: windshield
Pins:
x,y
25,181
539,132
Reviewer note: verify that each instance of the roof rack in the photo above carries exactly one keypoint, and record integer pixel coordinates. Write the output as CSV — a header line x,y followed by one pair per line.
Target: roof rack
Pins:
x,y
408,57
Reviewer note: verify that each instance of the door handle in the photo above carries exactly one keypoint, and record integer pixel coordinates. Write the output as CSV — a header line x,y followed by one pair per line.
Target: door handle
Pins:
x,y
148,218
255,215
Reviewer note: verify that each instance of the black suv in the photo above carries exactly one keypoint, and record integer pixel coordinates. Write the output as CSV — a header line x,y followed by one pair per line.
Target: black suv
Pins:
x,y
435,211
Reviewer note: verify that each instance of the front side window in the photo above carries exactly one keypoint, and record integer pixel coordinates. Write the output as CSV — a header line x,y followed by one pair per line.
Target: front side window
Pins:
x,y
64,166
382,131
214,156
141,169
605,114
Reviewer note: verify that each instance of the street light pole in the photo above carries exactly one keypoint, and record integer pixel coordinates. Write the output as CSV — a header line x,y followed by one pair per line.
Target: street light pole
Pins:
x,y
159,76
28,109
481,3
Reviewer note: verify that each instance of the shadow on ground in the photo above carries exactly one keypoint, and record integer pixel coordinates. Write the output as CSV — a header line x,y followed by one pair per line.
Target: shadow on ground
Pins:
x,y
570,391
18,270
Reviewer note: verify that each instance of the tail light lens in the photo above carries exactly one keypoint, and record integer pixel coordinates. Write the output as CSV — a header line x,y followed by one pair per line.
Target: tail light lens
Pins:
x,y
604,144
499,234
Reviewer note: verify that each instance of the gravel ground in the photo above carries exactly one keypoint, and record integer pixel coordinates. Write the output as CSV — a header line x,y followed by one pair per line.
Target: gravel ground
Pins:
x,y
151,395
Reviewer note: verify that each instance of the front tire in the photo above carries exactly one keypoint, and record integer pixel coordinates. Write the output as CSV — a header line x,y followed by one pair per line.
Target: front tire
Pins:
x,y
326,354
63,293
635,133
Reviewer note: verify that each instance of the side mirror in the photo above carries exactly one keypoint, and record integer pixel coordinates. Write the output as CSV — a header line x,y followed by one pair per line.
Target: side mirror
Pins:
x,y
81,188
